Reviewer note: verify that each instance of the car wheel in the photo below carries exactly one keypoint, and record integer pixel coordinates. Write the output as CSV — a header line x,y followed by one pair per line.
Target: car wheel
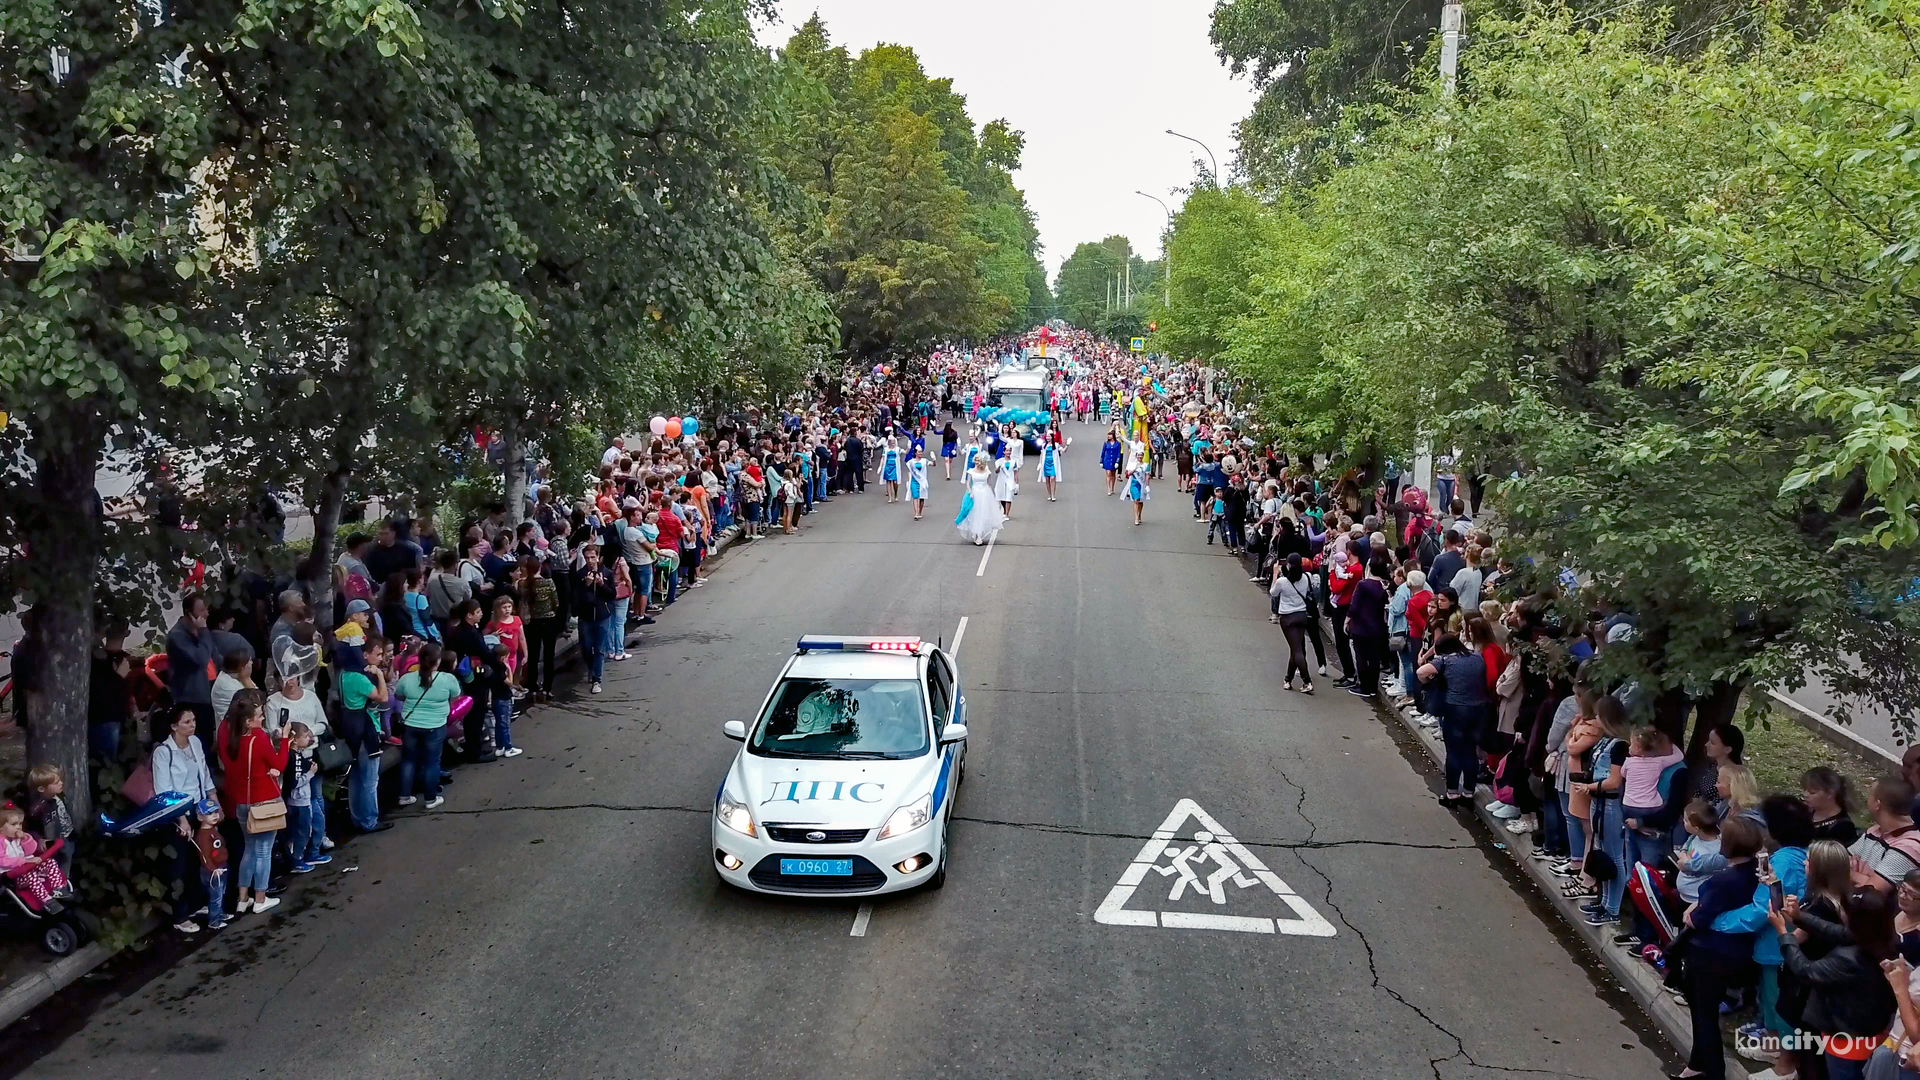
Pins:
x,y
59,939
939,878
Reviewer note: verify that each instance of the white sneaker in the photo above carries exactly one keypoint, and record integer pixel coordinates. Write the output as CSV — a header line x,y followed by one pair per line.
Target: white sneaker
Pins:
x,y
512,752
1773,1073
434,803
1520,826
187,926
1507,813
1396,691
243,907
409,800
1323,669
1426,721
595,690
1494,806
268,904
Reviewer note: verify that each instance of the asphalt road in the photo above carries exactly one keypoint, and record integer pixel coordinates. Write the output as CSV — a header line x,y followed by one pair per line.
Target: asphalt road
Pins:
x,y
559,917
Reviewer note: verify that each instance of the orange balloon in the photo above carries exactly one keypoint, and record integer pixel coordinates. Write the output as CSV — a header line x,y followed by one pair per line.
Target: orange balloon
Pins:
x,y
673,427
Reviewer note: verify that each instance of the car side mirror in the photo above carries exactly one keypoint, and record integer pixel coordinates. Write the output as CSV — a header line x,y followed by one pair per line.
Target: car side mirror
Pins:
x,y
953,733
737,730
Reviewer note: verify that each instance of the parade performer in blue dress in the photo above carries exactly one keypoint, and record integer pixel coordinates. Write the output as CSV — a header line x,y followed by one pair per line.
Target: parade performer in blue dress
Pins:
x,y
949,447
1050,469
973,453
890,468
917,480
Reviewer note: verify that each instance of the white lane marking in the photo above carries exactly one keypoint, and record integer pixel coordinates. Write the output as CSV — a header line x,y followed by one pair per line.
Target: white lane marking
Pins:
x,y
958,633
860,919
987,554
1231,862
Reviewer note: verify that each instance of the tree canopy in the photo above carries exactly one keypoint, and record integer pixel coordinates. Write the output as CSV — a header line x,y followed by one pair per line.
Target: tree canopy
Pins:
x,y
1668,298
920,234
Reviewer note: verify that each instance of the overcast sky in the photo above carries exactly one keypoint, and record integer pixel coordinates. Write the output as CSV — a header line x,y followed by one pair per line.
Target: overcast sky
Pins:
x,y
1093,83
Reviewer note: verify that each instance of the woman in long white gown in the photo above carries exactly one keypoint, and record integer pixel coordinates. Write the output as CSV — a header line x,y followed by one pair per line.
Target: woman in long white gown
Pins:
x,y
980,514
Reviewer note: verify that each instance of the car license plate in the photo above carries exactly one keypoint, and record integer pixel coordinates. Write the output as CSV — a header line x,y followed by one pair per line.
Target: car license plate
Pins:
x,y
817,867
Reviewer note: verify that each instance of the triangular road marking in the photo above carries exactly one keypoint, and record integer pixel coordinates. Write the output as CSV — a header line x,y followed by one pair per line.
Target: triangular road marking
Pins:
x,y
1205,868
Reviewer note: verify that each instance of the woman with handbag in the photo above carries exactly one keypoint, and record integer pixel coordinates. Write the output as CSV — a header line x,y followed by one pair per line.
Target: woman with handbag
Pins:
x,y
180,764
253,761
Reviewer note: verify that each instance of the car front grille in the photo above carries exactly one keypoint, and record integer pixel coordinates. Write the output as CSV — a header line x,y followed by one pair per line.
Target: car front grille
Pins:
x,y
766,874
797,834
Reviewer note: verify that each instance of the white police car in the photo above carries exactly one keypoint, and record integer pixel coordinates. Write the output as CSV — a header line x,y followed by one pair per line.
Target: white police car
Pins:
x,y
845,783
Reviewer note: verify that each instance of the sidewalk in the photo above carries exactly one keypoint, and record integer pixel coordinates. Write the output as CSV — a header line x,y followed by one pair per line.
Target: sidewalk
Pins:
x,y
32,977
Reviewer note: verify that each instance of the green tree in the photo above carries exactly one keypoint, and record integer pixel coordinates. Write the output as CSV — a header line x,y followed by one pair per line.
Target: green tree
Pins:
x,y
1634,280
1221,241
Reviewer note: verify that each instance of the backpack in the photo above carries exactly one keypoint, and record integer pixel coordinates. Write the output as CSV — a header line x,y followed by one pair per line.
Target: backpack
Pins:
x,y
1429,548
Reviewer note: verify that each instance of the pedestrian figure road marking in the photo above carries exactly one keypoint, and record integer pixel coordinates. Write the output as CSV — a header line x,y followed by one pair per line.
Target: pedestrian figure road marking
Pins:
x,y
1225,861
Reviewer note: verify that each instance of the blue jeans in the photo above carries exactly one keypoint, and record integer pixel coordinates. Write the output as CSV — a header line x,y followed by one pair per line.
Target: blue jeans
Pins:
x,y
642,584
256,859
819,486
1553,824
503,721
617,627
1649,850
1841,1069
593,641
303,840
1609,835
673,587
420,755
318,793
103,740
363,790
1460,728
1576,829
1443,486
1408,680
215,882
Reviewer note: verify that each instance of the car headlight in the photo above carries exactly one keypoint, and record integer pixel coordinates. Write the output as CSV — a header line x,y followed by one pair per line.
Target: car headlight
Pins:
x,y
907,818
735,815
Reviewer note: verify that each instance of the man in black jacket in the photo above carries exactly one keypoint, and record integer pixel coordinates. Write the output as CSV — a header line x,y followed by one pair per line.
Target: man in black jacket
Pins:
x,y
593,589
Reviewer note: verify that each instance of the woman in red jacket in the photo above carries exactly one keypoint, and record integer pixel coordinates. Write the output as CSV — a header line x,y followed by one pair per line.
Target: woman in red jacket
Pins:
x,y
253,763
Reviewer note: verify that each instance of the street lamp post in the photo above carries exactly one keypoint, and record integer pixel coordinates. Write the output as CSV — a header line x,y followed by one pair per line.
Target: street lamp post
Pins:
x,y
1203,146
1166,249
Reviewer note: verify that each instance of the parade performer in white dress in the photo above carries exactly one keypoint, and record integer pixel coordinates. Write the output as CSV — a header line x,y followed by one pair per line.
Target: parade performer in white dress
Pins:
x,y
973,453
980,515
1050,468
1006,481
917,481
890,468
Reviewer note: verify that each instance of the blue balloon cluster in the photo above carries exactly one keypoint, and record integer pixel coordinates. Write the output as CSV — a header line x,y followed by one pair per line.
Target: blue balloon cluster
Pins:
x,y
1014,416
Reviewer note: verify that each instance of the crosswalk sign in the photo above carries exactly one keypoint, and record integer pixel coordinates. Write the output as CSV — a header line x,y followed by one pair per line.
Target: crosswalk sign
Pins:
x,y
1139,344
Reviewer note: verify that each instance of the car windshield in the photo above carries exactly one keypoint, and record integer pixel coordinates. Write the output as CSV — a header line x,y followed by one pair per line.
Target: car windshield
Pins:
x,y
844,718
1021,399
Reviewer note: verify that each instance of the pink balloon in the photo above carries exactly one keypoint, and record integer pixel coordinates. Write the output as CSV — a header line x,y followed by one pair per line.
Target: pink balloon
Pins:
x,y
657,425
673,428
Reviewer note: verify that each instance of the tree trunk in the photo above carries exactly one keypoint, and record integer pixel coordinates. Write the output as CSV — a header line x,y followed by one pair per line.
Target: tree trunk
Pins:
x,y
62,534
316,573
514,452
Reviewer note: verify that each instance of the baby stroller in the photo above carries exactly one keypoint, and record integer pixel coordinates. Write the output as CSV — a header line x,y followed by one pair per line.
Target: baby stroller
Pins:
x,y
60,925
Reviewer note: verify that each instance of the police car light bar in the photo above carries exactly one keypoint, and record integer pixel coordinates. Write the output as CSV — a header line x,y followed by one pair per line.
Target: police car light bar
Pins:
x,y
831,643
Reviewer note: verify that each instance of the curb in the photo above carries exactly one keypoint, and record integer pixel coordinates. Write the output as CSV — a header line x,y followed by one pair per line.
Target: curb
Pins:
x,y
1844,738
1634,977
28,992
